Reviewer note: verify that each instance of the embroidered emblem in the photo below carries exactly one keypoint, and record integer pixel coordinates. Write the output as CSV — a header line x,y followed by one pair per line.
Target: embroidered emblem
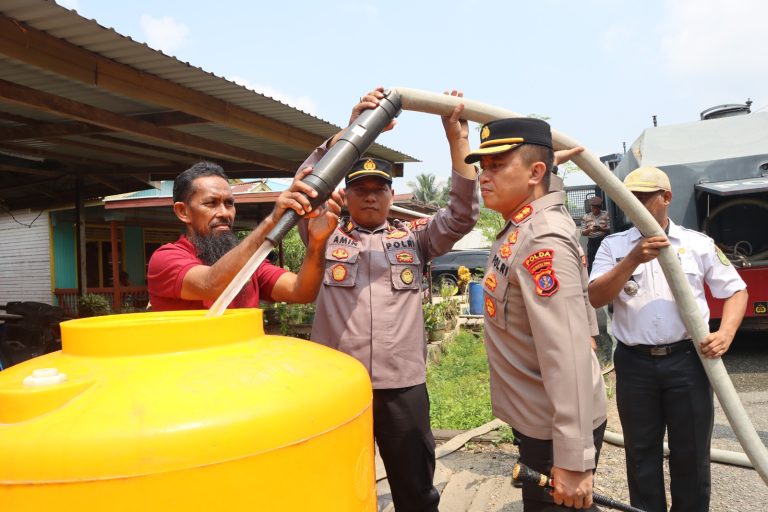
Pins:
x,y
397,234
348,227
369,165
490,282
339,272
340,254
421,221
761,308
406,276
523,214
538,261
404,257
546,283
485,133
490,307
722,257
505,251
512,239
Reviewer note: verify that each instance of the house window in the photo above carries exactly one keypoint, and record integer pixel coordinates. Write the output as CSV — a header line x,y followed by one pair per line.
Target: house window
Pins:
x,y
98,261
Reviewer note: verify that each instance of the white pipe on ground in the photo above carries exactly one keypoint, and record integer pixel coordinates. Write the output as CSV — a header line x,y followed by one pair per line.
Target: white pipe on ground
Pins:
x,y
442,104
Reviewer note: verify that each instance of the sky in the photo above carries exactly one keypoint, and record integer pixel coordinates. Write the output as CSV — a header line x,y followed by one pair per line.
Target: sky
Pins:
x,y
598,69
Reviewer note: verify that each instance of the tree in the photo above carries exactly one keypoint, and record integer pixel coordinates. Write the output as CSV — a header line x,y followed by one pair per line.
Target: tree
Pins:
x,y
426,190
490,223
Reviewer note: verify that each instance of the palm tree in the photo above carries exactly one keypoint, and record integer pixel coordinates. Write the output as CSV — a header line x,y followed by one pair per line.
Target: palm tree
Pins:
x,y
425,190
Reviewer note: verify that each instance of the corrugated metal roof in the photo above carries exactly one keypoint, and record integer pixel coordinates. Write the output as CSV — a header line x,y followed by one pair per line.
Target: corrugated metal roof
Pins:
x,y
107,156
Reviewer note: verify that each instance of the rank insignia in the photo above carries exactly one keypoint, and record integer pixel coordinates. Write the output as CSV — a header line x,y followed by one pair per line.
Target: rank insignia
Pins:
x,y
397,234
523,214
339,272
761,308
404,257
505,251
722,257
340,254
406,276
512,239
491,282
490,307
538,261
485,133
546,283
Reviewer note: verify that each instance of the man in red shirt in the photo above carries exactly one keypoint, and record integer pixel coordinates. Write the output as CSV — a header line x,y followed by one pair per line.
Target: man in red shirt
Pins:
x,y
193,271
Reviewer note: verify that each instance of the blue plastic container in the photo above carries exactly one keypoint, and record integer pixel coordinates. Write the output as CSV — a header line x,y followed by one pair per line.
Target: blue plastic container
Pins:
x,y
475,298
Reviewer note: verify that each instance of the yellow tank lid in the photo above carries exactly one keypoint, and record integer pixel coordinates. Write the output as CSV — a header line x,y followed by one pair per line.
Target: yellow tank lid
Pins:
x,y
144,393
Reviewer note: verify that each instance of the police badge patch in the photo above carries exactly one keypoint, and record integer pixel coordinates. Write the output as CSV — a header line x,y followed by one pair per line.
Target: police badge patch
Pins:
x,y
340,254
406,276
490,307
404,257
339,272
490,282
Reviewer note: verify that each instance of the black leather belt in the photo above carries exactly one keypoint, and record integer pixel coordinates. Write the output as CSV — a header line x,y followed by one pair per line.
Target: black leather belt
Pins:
x,y
660,350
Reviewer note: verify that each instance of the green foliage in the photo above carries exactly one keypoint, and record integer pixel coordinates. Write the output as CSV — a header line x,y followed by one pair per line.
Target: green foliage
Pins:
x,y
288,316
294,250
434,316
450,302
426,190
490,223
93,304
458,387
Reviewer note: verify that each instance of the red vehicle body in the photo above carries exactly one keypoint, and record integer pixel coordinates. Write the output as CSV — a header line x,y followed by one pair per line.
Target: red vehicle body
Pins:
x,y
718,168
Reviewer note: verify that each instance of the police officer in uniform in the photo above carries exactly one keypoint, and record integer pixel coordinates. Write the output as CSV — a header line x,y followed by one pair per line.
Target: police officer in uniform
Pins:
x,y
545,379
369,305
595,225
660,381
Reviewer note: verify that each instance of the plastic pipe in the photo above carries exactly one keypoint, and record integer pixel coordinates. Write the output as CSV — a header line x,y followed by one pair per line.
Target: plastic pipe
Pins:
x,y
443,104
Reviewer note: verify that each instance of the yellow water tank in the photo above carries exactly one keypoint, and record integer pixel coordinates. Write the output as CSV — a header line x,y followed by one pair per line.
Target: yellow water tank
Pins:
x,y
178,412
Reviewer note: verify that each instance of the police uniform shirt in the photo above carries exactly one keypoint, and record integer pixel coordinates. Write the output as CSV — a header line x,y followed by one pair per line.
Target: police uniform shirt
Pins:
x,y
601,220
545,378
645,311
369,305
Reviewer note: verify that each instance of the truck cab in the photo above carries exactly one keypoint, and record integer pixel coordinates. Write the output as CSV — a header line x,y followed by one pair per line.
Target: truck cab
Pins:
x,y
718,168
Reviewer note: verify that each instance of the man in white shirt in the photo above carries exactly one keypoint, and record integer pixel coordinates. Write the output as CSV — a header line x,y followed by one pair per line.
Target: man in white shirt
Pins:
x,y
660,381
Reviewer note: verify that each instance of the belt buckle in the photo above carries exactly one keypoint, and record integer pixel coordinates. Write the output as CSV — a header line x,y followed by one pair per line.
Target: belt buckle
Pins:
x,y
660,351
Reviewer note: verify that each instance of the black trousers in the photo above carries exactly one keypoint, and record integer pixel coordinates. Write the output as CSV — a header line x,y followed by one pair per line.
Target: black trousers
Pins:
x,y
593,244
407,447
537,455
671,392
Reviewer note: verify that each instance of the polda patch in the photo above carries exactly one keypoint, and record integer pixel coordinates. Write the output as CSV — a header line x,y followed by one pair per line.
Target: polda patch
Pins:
x,y
538,260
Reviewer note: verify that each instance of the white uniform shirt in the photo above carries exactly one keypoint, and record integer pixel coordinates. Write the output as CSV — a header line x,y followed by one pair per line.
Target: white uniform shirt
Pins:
x,y
645,313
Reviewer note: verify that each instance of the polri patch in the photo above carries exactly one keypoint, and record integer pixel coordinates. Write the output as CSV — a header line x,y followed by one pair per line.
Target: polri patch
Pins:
x,y
406,276
340,254
404,257
339,272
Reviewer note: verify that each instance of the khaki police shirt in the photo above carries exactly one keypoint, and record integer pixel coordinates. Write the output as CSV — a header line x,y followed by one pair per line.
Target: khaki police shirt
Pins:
x,y
369,305
601,220
545,378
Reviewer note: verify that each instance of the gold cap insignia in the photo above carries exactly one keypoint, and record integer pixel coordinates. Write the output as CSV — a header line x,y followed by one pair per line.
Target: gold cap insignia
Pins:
x,y
485,133
369,165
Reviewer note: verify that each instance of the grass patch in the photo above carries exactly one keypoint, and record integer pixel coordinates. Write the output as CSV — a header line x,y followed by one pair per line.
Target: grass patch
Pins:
x,y
459,391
